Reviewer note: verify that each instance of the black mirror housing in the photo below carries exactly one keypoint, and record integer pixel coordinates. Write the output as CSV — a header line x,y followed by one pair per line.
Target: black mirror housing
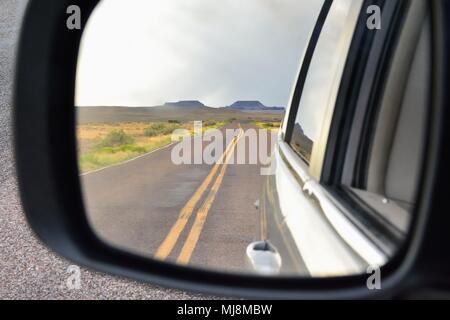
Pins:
x,y
46,155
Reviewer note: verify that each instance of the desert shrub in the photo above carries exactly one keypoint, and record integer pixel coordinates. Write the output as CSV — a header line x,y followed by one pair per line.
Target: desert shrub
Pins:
x,y
150,132
159,128
123,148
174,121
209,123
116,138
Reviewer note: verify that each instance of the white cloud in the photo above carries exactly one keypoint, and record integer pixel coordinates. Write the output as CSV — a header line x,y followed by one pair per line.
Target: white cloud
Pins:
x,y
147,52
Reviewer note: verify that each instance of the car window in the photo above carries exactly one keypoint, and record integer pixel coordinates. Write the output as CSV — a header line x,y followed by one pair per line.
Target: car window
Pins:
x,y
375,147
324,72
374,86
387,170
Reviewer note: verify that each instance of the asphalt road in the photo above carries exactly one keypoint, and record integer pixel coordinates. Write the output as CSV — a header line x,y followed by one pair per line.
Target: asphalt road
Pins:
x,y
27,269
197,214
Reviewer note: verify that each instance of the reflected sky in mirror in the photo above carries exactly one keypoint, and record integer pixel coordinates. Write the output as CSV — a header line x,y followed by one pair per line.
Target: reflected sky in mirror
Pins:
x,y
141,53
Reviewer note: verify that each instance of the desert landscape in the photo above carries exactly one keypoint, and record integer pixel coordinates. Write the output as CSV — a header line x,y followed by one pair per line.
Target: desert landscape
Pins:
x,y
111,135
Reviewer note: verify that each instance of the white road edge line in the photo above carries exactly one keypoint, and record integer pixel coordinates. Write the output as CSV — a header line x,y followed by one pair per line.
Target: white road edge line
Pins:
x,y
122,163
138,157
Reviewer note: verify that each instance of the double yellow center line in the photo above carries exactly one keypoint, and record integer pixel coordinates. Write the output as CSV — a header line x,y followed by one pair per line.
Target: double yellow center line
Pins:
x,y
172,237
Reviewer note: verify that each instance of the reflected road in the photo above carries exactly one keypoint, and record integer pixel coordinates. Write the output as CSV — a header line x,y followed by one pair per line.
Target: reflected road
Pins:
x,y
201,215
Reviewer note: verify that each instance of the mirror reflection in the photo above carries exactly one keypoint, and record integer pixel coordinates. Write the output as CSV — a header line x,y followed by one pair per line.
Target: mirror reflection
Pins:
x,y
195,148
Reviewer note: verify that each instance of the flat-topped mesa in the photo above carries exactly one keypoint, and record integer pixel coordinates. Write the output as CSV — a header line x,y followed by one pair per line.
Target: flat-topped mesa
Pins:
x,y
247,105
252,105
185,104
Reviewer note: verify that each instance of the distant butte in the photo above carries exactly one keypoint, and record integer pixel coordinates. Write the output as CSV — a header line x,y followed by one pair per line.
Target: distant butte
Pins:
x,y
185,104
252,106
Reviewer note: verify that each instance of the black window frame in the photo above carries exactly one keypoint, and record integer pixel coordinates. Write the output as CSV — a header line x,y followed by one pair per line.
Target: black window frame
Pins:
x,y
363,86
311,48
351,93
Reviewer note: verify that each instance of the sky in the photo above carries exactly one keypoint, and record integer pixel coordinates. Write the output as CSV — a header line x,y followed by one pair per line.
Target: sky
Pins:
x,y
326,67
148,52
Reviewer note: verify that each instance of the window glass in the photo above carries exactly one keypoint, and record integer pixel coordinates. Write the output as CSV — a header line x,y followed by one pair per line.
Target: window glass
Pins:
x,y
178,105
326,66
387,179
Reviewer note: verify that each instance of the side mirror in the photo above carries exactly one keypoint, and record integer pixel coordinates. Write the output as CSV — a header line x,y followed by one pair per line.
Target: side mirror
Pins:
x,y
264,258
60,211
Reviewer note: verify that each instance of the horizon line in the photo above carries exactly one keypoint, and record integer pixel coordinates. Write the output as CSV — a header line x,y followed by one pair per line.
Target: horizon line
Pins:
x,y
175,102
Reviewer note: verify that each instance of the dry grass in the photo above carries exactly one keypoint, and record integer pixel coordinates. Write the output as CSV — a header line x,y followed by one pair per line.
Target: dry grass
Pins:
x,y
93,154
268,125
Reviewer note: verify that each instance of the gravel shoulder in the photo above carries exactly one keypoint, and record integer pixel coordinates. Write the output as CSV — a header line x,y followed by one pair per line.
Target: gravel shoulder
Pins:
x,y
27,269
